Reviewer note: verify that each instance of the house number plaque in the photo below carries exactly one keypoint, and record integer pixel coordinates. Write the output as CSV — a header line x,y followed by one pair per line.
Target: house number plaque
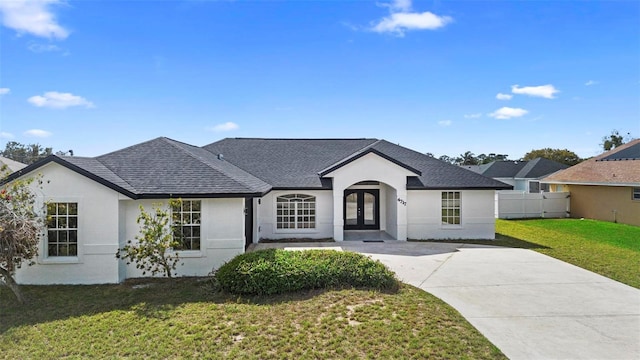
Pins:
x,y
402,202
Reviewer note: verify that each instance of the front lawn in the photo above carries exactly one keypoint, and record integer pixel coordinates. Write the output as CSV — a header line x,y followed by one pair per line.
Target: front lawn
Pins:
x,y
609,249
187,319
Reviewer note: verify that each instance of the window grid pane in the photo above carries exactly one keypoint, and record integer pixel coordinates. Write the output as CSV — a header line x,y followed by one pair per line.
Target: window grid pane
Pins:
x,y
295,211
186,218
451,205
62,229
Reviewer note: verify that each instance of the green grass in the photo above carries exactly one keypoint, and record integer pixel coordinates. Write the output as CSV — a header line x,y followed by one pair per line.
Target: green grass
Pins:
x,y
609,249
188,319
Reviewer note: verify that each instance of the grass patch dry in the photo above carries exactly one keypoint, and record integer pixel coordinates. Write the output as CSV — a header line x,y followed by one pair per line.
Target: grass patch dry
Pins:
x,y
609,249
187,319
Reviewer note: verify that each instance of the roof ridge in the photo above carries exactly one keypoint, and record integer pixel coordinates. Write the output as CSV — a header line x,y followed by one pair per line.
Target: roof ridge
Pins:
x,y
210,165
305,139
130,146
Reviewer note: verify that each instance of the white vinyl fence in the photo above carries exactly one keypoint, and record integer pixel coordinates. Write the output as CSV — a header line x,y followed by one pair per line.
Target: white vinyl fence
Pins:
x,y
514,204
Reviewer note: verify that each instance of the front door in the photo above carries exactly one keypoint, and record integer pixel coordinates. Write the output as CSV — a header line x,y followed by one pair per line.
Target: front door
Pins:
x,y
362,209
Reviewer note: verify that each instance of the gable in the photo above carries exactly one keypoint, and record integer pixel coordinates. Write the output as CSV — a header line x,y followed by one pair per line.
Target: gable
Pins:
x,y
370,166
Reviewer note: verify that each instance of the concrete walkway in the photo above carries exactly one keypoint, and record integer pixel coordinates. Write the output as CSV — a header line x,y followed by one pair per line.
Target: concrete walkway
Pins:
x,y
529,305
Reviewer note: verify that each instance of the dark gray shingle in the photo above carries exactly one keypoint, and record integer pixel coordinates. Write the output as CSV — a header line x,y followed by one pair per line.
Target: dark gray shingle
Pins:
x,y
165,166
295,163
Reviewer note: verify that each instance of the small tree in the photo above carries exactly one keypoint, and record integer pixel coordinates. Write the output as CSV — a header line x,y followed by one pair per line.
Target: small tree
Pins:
x,y
20,229
152,250
613,141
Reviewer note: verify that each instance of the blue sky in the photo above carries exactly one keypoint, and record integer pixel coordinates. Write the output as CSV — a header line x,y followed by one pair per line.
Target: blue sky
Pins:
x,y
436,76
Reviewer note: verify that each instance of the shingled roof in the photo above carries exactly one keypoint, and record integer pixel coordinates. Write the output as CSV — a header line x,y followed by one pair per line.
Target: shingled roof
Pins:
x,y
12,165
163,167
617,167
532,169
299,163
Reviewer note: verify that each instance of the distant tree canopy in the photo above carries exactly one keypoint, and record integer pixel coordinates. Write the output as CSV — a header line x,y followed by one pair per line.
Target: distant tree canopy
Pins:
x,y
562,156
28,154
613,141
469,158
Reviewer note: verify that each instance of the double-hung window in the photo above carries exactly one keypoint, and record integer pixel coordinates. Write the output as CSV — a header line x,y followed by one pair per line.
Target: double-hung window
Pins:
x,y
62,229
296,211
186,215
451,207
636,194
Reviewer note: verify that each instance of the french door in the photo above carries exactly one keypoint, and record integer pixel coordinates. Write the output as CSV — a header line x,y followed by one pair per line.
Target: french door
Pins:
x,y
362,209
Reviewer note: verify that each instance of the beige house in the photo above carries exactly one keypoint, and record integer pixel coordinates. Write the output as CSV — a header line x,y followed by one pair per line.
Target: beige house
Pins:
x,y
606,187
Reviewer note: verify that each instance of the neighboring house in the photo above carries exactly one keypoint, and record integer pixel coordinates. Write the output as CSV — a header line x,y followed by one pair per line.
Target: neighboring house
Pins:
x,y
238,191
606,187
11,165
522,175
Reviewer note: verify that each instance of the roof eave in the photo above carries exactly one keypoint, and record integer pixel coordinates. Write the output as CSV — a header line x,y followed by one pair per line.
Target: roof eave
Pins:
x,y
54,158
593,183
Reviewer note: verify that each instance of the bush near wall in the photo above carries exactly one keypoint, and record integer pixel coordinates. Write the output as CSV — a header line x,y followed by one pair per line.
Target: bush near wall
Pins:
x,y
276,271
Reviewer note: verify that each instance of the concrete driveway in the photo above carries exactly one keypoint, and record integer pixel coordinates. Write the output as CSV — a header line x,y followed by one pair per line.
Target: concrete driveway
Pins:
x,y
529,305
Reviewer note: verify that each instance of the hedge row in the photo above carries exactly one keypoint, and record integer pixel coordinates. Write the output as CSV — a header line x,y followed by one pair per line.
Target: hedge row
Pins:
x,y
275,271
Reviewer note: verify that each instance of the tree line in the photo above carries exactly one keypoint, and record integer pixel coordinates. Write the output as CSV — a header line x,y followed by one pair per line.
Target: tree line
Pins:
x,y
563,156
28,153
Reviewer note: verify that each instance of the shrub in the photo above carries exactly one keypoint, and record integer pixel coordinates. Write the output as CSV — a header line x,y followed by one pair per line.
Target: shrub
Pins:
x,y
275,271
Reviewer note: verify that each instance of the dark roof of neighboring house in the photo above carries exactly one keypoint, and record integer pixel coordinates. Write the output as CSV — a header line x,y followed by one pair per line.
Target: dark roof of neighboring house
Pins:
x,y
532,169
298,163
252,167
631,152
620,166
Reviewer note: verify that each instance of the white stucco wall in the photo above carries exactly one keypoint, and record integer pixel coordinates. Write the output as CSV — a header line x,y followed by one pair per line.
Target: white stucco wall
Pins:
x,y
222,234
97,231
266,216
370,167
477,215
391,205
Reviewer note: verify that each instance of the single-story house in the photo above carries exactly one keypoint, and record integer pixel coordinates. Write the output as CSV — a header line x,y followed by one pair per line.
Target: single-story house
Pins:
x,y
605,187
238,191
522,175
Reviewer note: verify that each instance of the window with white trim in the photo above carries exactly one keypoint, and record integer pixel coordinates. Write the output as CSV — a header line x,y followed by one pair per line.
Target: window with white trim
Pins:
x,y
636,194
186,216
296,211
451,201
62,229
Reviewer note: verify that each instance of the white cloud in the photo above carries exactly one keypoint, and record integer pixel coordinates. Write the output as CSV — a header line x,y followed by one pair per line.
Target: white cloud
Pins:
x,y
38,133
445,123
502,96
398,23
6,135
57,100
508,113
41,48
591,82
402,19
472,116
4,91
545,91
32,16
398,5
228,126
